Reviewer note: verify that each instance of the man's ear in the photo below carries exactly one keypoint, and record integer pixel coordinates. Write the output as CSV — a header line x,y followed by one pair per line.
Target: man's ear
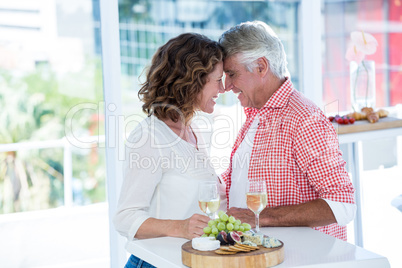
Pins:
x,y
262,66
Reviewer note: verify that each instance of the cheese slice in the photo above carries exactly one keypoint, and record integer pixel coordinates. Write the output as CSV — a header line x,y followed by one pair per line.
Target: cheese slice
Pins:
x,y
252,237
205,243
271,242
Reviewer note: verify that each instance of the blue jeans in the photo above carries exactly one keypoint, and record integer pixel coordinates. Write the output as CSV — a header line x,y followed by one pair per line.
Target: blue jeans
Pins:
x,y
135,262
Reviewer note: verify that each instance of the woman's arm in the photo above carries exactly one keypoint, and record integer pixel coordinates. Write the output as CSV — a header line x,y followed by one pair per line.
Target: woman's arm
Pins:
x,y
188,228
142,174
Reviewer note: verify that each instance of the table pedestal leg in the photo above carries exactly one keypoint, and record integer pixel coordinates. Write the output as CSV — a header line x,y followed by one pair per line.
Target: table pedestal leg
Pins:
x,y
355,168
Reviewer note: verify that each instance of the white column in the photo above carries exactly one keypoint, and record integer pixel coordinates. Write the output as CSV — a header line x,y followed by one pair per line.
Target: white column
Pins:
x,y
112,96
310,36
356,163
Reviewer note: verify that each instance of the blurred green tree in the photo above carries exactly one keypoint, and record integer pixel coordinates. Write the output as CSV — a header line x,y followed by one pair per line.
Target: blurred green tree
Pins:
x,y
33,109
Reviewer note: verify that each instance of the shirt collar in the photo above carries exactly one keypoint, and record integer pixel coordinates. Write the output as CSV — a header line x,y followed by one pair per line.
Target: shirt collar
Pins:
x,y
278,100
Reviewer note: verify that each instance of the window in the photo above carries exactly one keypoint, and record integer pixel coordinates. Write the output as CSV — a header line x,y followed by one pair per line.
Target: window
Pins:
x,y
146,25
50,87
382,19
380,172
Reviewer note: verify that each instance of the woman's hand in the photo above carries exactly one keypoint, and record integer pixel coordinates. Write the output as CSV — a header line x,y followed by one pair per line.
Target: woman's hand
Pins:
x,y
193,226
188,228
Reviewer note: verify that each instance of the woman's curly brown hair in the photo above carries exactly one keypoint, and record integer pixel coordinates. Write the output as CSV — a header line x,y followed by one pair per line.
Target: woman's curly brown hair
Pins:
x,y
177,74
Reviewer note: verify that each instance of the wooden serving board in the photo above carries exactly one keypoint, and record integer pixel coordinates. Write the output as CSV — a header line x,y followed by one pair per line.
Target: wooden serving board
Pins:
x,y
263,257
364,125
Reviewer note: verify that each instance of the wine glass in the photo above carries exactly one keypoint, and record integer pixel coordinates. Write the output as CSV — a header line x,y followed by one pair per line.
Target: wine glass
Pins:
x,y
256,195
208,198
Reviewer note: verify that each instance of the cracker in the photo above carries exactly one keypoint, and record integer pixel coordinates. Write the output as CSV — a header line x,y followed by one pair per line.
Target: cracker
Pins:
x,y
224,252
243,249
249,247
235,248
241,245
228,248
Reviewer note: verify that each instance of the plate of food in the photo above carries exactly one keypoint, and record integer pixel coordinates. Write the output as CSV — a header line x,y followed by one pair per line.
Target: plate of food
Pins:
x,y
232,248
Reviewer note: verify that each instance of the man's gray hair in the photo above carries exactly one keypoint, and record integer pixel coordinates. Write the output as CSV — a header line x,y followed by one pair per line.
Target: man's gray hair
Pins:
x,y
254,40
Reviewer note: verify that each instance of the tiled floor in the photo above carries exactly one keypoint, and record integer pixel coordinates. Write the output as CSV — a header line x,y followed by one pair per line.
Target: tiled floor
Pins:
x,y
78,237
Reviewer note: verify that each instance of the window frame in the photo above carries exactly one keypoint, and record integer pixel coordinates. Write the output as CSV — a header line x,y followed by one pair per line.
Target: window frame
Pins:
x,y
113,128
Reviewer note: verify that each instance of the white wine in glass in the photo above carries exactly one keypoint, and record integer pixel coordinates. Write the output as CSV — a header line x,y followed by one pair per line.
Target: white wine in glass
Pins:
x,y
256,195
208,198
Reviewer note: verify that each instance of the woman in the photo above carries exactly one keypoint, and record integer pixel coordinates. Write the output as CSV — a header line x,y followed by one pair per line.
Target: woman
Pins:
x,y
165,157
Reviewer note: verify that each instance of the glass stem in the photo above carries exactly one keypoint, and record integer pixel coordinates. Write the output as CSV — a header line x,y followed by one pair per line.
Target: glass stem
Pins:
x,y
212,216
257,222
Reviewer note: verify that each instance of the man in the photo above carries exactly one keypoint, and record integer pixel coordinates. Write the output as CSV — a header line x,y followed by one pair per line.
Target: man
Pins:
x,y
286,140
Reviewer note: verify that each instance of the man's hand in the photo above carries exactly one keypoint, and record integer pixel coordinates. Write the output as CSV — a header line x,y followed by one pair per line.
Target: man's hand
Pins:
x,y
243,214
312,214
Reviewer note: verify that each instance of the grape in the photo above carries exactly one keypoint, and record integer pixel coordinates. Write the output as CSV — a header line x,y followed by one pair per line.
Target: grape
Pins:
x,y
232,219
246,226
225,223
224,217
207,230
236,227
221,226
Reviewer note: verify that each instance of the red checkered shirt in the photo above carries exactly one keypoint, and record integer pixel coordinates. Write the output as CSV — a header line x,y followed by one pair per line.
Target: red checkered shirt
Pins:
x,y
296,151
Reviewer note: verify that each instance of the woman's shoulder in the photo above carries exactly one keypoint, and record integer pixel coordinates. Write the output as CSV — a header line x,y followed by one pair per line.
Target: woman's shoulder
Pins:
x,y
145,133
150,125
155,133
142,128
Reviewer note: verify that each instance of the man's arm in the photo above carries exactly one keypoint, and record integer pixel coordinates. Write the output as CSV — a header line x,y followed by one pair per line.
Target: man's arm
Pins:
x,y
311,214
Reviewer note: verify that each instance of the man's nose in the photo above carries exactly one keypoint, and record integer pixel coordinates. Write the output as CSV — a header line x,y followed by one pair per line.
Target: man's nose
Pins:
x,y
221,88
228,84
